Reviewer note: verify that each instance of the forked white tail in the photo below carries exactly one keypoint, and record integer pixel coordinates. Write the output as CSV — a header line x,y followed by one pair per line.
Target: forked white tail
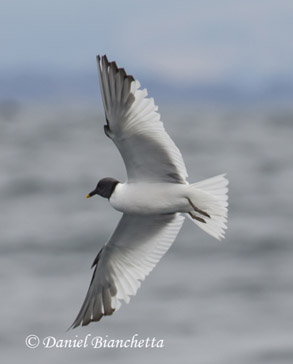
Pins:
x,y
210,196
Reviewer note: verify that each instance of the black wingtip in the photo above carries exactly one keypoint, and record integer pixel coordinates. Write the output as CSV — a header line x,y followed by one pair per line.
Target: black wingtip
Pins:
x,y
105,59
113,65
102,60
97,258
72,326
131,78
123,73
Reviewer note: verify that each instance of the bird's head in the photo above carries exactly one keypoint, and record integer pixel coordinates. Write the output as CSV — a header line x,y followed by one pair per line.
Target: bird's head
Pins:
x,y
105,187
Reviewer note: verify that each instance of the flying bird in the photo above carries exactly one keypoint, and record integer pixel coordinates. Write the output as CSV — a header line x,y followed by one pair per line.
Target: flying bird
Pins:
x,y
154,200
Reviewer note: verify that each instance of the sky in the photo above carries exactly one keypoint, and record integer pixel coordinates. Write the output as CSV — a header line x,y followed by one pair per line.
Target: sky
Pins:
x,y
185,42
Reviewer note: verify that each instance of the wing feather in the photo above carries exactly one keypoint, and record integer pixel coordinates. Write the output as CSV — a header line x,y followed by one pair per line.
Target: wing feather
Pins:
x,y
136,246
134,125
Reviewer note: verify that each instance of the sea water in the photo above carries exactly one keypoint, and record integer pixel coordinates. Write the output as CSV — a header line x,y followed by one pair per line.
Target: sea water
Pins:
x,y
209,302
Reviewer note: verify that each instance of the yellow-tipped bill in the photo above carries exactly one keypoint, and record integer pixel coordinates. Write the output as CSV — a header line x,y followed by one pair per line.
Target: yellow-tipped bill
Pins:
x,y
88,196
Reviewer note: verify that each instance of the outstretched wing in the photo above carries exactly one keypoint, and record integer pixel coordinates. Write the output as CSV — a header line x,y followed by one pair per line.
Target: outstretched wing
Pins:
x,y
136,246
134,126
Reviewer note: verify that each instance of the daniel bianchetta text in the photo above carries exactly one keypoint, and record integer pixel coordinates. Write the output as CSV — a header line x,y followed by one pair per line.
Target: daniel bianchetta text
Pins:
x,y
98,342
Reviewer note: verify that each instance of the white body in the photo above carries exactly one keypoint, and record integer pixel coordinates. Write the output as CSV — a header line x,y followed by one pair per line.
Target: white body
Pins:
x,y
151,198
146,199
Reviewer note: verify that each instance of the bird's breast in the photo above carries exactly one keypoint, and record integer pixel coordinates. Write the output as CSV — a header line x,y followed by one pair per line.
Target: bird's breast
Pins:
x,y
149,198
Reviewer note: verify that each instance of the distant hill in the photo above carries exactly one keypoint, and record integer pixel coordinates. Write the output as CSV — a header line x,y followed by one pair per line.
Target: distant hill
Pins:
x,y
36,86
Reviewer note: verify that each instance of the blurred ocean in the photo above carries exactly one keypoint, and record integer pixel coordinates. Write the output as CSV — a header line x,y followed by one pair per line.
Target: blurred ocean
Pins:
x,y
212,303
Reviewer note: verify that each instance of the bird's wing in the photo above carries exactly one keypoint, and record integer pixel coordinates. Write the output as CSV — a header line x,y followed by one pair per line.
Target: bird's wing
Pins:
x,y
134,249
135,127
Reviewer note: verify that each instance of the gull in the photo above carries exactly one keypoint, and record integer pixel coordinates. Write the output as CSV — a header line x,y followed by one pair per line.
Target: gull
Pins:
x,y
154,200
